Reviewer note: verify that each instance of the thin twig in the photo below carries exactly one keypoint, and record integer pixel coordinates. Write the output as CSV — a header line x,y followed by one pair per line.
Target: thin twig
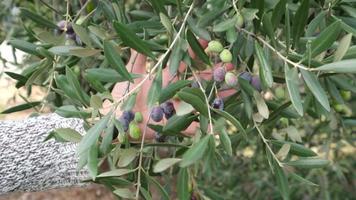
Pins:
x,y
141,83
140,159
267,145
55,61
50,7
298,65
81,10
206,99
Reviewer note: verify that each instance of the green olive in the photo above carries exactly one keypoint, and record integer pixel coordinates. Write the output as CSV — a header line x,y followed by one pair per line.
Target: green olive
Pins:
x,y
134,130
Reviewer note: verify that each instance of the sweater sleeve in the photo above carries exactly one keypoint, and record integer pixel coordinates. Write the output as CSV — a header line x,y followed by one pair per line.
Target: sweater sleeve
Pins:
x,y
27,163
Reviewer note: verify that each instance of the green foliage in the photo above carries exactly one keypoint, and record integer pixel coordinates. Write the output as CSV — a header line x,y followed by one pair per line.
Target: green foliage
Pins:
x,y
257,144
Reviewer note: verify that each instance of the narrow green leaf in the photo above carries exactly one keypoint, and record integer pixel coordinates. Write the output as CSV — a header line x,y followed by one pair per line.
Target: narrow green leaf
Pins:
x,y
261,105
315,24
192,96
349,10
71,111
41,69
176,57
201,32
225,141
107,10
25,46
63,84
265,69
107,139
302,180
278,13
164,164
129,103
96,102
74,83
67,134
124,193
292,81
126,157
178,123
166,23
83,52
132,40
282,181
300,20
115,172
18,77
225,24
295,148
115,60
309,163
326,38
93,134
287,28
155,89
268,27
195,45
343,66
158,6
107,75
171,89
196,152
21,107
164,193
232,119
344,83
145,194
93,161
82,33
38,19
334,91
183,184
315,87
343,47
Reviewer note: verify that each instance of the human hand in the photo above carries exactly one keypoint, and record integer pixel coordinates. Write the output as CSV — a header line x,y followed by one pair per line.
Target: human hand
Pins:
x,y
137,65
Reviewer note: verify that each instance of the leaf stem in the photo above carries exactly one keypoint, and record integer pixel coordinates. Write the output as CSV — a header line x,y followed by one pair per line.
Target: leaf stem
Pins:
x,y
267,145
281,56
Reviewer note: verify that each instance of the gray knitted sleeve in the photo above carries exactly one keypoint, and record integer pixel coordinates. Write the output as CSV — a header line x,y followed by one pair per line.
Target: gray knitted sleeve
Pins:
x,y
27,163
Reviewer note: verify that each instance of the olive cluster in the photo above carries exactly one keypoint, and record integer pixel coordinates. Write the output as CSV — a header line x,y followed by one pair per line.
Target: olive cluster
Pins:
x,y
167,109
221,75
129,121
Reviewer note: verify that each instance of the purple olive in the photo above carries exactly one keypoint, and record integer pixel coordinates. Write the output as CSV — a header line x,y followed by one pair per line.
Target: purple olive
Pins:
x,y
124,122
62,25
157,114
256,83
168,109
128,115
246,75
219,74
218,103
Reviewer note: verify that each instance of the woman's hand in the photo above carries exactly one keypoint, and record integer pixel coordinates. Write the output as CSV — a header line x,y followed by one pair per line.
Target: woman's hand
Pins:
x,y
137,63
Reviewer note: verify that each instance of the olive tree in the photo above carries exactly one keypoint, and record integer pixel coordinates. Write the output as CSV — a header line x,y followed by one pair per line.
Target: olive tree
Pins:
x,y
276,96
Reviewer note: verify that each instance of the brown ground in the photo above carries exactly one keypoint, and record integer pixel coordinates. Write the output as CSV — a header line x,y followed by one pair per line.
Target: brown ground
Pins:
x,y
92,192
